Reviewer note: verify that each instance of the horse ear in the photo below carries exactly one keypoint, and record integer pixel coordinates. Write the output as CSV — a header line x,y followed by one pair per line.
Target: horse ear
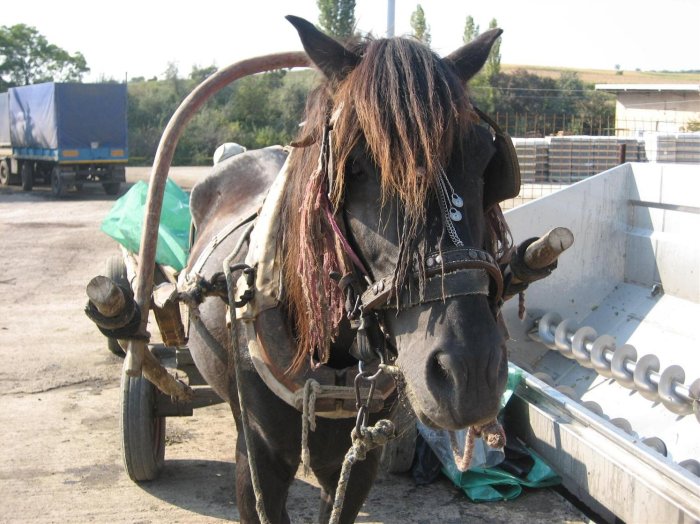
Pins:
x,y
469,59
331,57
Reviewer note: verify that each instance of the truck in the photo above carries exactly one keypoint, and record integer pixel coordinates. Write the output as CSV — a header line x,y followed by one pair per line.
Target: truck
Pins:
x,y
65,134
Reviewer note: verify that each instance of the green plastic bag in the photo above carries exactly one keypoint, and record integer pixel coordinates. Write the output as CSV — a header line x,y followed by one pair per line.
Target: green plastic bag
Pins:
x,y
125,220
492,484
487,484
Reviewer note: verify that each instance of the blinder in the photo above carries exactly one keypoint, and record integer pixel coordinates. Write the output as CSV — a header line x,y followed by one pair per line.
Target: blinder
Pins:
x,y
502,175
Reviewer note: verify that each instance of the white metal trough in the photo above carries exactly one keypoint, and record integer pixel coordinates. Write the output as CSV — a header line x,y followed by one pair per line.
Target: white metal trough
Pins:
x,y
614,332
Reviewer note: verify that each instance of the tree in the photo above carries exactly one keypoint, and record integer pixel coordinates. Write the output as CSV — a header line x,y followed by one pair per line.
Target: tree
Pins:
x,y
471,30
26,57
337,17
421,30
199,74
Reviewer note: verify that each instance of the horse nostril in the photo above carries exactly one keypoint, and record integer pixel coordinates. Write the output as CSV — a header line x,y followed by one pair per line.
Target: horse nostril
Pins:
x,y
443,367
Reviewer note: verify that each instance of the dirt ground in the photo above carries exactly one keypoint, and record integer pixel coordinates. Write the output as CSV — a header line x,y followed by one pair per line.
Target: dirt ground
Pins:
x,y
59,392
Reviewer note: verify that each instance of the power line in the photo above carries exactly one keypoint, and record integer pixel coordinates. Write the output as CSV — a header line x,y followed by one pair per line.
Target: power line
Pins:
x,y
536,89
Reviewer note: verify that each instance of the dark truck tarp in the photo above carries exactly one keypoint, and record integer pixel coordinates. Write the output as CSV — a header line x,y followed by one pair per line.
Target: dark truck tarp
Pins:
x,y
4,120
67,115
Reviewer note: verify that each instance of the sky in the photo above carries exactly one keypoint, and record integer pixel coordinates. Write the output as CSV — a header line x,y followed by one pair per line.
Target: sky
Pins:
x,y
140,38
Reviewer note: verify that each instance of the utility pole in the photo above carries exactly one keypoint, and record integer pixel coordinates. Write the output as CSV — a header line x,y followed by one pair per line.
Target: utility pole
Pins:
x,y
391,5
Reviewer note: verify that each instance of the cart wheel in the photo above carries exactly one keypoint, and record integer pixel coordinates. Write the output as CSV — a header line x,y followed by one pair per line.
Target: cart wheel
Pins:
x,y
115,269
398,453
143,432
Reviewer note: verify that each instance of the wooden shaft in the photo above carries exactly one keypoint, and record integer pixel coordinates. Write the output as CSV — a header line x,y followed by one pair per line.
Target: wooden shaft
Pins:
x,y
547,249
106,296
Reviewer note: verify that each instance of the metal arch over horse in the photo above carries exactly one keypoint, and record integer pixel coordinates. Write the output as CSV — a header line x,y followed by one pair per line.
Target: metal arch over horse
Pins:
x,y
390,183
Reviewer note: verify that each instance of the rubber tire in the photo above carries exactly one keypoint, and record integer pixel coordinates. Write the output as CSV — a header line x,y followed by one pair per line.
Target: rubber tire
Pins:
x,y
58,185
112,188
4,173
115,270
398,453
143,433
27,175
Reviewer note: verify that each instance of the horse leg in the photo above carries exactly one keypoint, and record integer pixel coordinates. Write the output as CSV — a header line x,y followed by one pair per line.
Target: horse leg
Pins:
x,y
275,433
274,479
328,448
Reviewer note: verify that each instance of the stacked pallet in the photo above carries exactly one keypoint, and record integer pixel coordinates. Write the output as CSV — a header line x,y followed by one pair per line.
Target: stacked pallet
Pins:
x,y
573,158
533,158
676,148
568,159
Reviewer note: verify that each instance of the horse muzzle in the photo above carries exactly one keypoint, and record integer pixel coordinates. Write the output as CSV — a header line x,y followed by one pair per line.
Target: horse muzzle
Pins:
x,y
456,372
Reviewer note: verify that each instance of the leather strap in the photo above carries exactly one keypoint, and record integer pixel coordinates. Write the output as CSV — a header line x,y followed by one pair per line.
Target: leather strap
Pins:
x,y
451,273
215,241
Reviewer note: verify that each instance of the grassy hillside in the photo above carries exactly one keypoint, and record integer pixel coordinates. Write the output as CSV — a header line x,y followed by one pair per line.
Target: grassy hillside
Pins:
x,y
603,76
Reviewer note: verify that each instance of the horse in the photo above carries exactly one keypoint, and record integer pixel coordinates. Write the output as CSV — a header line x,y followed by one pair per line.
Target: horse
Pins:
x,y
388,225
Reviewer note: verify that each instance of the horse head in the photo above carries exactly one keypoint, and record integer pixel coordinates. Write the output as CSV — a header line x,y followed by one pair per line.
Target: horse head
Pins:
x,y
404,173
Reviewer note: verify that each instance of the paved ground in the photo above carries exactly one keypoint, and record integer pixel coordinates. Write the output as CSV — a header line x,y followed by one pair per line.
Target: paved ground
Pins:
x,y
59,392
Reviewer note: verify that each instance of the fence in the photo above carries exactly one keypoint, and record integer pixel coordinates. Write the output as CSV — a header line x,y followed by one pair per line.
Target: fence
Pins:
x,y
548,163
530,125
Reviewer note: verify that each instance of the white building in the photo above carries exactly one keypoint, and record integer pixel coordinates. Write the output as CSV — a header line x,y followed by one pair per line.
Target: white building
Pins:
x,y
665,108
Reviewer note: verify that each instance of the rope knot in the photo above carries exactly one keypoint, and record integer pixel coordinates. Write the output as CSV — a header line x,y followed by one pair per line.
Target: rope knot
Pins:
x,y
370,437
492,433
363,441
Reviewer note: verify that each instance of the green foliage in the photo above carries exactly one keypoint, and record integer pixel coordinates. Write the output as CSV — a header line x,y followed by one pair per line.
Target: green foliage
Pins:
x,y
256,111
421,30
337,17
471,30
575,103
26,57
266,109
692,126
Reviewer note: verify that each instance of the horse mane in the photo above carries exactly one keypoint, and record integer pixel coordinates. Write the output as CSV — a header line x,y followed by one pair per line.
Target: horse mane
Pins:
x,y
405,106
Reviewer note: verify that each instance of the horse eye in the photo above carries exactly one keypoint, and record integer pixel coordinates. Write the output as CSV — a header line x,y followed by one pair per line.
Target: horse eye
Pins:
x,y
356,168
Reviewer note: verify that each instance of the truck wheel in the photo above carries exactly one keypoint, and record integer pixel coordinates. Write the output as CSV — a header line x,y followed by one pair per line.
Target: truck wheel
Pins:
x,y
143,432
4,173
27,175
58,185
115,270
112,188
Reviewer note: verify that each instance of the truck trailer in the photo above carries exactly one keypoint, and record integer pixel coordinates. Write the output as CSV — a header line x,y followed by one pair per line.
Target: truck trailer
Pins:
x,y
68,134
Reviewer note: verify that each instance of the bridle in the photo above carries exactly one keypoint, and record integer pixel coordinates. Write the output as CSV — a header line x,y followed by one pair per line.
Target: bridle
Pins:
x,y
452,272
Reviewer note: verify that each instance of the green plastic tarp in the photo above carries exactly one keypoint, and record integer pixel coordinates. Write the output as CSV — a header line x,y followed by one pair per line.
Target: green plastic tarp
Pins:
x,y
493,484
125,220
487,484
